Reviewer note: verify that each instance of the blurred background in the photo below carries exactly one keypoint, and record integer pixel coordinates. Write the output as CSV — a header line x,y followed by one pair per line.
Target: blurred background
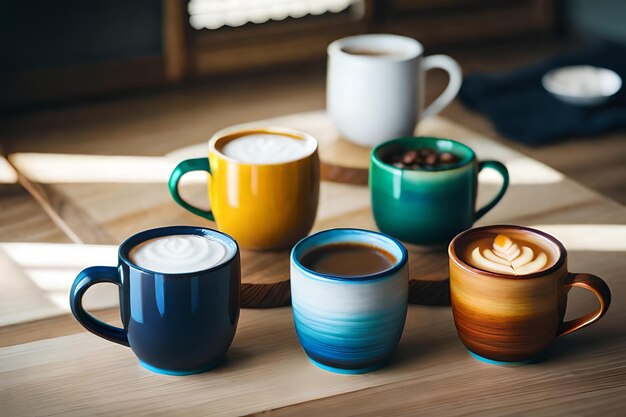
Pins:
x,y
65,49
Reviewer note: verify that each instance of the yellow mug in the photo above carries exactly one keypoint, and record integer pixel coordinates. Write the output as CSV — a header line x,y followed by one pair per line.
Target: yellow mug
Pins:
x,y
261,205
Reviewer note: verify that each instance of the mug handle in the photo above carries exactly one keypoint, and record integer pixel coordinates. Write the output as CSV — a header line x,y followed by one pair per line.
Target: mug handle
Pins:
x,y
84,280
501,169
599,288
455,74
188,165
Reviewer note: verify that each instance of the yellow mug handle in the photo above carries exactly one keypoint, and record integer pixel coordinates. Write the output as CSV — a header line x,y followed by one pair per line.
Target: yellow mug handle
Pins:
x,y
599,288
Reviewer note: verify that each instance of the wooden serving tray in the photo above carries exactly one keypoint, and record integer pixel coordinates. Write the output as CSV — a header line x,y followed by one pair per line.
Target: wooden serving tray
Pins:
x,y
266,371
102,199
265,279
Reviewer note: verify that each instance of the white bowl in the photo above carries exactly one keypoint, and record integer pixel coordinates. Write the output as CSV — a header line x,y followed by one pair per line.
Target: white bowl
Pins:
x,y
582,85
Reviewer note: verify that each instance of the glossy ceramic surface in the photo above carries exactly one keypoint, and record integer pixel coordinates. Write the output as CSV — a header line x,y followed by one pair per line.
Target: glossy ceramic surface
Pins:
x,y
176,324
372,99
428,206
349,325
506,318
263,206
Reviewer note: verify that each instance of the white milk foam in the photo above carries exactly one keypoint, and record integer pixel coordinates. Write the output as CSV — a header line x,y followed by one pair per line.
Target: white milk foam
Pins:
x,y
508,257
266,148
179,253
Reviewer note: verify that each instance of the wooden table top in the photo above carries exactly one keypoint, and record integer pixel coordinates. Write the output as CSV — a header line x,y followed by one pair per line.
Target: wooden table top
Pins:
x,y
51,366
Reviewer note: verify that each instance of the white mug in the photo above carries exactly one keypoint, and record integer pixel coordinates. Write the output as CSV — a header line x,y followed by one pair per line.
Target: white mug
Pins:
x,y
375,86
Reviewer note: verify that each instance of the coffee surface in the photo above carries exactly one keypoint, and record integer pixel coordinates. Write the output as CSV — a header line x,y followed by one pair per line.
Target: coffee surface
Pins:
x,y
370,52
266,148
179,253
348,259
508,255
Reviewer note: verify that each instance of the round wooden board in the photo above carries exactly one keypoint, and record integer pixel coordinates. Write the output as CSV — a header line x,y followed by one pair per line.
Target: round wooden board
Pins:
x,y
265,275
265,281
343,161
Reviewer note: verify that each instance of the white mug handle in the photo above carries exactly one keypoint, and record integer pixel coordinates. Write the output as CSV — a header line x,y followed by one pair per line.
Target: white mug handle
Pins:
x,y
455,73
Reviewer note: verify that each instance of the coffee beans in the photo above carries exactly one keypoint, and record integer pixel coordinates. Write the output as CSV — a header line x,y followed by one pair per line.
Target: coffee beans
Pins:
x,y
448,158
421,158
409,157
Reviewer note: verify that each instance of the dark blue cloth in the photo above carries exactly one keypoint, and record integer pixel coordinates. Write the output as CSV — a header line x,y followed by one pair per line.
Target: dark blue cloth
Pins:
x,y
521,109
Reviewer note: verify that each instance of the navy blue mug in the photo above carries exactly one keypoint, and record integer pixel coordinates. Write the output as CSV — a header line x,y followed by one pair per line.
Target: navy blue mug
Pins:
x,y
175,323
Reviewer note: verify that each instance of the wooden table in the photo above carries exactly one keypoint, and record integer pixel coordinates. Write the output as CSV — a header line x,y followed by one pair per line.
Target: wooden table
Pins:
x,y
52,367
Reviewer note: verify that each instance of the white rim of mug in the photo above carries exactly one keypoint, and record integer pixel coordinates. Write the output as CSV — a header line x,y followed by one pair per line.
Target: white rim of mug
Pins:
x,y
469,268
335,47
312,143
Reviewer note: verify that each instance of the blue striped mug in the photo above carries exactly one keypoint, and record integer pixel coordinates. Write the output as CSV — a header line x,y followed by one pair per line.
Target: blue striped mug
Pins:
x,y
350,324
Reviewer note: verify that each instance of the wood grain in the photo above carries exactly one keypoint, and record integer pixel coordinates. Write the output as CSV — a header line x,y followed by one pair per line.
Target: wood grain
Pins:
x,y
107,213
484,392
265,358
23,225
21,218
431,372
267,372
67,216
51,327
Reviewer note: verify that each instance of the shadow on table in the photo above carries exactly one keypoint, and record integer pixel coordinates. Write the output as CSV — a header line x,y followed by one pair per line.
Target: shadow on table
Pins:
x,y
580,345
428,335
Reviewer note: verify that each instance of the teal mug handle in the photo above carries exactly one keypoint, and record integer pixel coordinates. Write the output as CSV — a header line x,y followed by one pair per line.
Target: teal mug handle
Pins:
x,y
188,165
501,169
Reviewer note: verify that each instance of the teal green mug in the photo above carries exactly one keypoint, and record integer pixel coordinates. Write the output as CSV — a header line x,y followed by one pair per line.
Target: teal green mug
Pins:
x,y
430,205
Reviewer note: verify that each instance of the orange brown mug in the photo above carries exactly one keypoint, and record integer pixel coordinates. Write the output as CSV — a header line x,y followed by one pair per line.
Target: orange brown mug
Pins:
x,y
509,287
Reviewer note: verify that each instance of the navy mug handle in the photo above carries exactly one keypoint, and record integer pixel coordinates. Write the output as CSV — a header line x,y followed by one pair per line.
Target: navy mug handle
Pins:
x,y
84,280
504,173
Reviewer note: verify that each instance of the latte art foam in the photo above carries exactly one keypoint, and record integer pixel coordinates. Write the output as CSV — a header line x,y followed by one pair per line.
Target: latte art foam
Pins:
x,y
178,253
266,148
508,257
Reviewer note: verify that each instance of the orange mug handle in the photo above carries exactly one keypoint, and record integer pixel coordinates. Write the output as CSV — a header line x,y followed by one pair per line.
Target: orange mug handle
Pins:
x,y
599,288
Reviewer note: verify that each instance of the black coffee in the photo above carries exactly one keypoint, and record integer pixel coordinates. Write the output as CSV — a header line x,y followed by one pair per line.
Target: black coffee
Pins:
x,y
348,259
